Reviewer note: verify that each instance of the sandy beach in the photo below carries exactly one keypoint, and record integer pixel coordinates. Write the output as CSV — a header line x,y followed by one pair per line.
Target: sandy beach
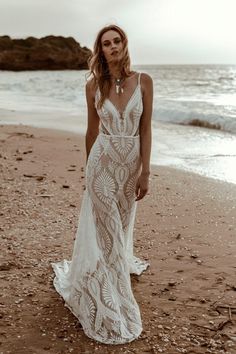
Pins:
x,y
185,227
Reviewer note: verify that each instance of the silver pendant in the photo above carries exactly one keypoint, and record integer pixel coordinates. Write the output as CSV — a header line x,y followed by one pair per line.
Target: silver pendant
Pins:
x,y
119,89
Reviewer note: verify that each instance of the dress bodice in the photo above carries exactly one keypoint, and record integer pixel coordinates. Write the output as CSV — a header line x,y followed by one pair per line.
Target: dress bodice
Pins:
x,y
126,123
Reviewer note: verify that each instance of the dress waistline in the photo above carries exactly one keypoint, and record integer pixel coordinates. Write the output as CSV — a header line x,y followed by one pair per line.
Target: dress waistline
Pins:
x,y
119,136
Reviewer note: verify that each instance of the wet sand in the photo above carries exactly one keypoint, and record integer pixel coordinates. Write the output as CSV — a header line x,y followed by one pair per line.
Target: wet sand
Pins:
x,y
185,227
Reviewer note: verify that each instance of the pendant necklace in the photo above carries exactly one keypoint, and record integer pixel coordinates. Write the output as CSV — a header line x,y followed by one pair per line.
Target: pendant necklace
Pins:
x,y
118,83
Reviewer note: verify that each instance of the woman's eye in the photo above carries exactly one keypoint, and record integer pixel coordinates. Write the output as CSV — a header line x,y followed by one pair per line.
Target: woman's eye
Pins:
x,y
117,41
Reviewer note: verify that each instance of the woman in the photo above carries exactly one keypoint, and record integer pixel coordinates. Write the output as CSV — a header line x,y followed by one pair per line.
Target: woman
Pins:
x,y
95,284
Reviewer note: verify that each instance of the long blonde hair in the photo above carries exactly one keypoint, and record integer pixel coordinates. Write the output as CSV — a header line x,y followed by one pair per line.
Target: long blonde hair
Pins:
x,y
98,65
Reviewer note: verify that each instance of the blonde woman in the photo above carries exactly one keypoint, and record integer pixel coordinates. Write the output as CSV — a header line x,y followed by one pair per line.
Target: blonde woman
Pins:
x,y
95,284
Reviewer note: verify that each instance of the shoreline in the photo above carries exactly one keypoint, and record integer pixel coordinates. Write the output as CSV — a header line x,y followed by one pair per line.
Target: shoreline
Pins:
x,y
165,160
185,228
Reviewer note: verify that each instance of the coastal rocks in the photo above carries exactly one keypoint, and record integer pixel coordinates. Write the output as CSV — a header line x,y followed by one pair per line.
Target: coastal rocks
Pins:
x,y
204,124
47,53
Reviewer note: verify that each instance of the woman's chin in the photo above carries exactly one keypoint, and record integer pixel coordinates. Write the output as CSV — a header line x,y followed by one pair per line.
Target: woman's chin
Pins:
x,y
115,60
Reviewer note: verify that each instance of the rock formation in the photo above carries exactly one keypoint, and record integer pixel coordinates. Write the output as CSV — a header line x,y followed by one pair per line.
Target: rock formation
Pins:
x,y
47,53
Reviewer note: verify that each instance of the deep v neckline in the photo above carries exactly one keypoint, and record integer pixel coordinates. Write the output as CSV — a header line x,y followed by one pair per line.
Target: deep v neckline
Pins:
x,y
127,104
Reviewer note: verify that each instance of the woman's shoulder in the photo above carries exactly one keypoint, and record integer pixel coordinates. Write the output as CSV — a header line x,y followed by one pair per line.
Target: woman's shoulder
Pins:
x,y
146,83
91,86
91,83
145,78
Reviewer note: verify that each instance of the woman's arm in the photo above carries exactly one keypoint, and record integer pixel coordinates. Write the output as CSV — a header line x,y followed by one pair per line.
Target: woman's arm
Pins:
x,y
145,136
93,118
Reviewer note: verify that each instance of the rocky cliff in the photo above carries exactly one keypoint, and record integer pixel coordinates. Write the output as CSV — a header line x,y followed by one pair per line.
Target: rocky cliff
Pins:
x,y
47,53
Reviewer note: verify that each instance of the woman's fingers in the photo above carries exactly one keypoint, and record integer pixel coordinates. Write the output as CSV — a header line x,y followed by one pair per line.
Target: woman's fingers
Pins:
x,y
141,194
141,189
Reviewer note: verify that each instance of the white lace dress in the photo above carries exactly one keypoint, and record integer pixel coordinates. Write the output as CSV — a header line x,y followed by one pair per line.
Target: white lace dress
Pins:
x,y
95,283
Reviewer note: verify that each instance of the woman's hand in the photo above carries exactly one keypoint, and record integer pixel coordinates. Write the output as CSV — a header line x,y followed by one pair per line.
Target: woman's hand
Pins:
x,y
142,186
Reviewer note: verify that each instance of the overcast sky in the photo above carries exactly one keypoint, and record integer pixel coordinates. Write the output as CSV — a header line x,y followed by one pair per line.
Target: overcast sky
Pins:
x,y
159,31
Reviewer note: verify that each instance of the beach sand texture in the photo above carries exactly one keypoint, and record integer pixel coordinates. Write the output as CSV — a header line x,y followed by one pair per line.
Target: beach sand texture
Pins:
x,y
185,227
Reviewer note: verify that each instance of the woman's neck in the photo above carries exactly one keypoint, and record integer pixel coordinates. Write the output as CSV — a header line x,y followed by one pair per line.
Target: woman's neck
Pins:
x,y
115,71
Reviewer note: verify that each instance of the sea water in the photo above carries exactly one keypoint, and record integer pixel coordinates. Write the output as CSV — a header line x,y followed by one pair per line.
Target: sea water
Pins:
x,y
184,96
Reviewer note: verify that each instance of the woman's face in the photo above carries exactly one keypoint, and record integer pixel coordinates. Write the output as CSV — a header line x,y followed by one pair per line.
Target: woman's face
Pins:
x,y
112,46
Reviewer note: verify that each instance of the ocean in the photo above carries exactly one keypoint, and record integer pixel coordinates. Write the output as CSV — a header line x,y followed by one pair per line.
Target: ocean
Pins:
x,y
194,116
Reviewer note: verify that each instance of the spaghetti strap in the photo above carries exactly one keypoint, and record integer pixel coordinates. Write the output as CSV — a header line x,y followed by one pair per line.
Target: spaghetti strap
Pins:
x,y
139,76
